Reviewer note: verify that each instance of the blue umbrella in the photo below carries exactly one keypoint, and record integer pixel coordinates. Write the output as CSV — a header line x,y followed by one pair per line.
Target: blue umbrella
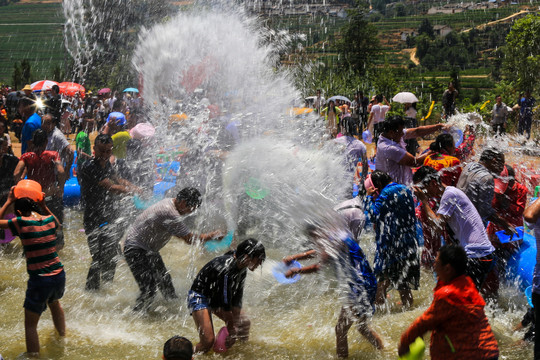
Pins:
x,y
131,90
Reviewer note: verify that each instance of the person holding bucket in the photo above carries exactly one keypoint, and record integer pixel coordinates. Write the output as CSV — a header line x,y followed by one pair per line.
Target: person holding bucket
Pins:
x,y
47,278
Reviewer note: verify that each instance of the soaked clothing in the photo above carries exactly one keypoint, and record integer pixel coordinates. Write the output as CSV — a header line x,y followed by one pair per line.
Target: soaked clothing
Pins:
x,y
389,154
458,324
465,223
355,271
353,212
221,282
396,256
153,229
465,150
30,125
99,201
41,167
448,167
478,183
38,237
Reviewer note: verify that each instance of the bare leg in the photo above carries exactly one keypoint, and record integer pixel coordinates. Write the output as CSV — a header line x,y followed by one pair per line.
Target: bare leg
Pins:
x,y
58,317
406,298
370,334
31,320
381,292
342,328
203,322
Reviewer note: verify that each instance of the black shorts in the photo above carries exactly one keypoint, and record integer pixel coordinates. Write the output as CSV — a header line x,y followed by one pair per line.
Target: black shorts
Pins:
x,y
43,290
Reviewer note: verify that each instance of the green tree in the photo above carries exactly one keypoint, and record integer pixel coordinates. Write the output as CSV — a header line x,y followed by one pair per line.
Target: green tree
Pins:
x,y
359,43
426,28
26,71
16,78
522,53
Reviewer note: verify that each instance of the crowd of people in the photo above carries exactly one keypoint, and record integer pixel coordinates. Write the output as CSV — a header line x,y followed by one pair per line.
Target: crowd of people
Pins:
x,y
441,189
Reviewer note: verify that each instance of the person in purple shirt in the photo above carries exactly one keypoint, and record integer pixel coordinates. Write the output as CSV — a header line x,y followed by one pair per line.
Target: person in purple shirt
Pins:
x,y
392,157
32,121
465,225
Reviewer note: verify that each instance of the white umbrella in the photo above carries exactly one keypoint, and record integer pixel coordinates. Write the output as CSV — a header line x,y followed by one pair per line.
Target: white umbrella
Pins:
x,y
338,97
405,97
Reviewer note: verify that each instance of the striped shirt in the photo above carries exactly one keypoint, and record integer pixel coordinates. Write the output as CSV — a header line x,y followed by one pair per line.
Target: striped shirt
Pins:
x,y
38,237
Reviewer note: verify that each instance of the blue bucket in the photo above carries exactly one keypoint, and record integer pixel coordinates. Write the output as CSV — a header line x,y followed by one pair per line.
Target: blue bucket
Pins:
x,y
281,268
220,245
504,238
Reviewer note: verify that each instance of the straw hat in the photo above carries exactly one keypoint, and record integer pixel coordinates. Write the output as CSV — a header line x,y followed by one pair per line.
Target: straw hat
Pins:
x,y
26,87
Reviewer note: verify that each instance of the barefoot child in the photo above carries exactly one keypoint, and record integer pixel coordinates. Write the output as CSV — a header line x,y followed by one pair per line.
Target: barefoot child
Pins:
x,y
361,285
219,288
47,278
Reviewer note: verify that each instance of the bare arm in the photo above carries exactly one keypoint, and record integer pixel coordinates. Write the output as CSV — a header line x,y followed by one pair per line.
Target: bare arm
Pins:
x,y
3,209
214,235
532,212
20,171
434,221
414,161
422,131
302,256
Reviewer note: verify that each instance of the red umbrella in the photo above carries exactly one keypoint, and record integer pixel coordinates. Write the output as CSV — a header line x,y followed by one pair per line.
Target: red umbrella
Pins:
x,y
104,91
43,85
71,88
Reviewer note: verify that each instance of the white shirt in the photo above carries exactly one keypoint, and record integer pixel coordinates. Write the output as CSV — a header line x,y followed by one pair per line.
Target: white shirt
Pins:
x,y
465,222
379,112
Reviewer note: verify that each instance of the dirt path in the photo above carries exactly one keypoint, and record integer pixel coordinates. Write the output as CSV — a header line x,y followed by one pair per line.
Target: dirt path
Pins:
x,y
482,26
412,55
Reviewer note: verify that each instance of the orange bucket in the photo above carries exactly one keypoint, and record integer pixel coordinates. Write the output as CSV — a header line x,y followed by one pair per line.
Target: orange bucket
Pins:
x,y
29,189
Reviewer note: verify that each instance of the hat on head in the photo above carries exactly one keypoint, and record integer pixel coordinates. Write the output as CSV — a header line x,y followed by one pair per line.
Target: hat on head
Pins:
x,y
26,87
118,117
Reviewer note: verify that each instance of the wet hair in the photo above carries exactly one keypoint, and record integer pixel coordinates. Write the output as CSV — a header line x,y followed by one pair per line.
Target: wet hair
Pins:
x,y
347,126
491,154
103,139
252,248
425,174
26,205
511,171
191,196
454,255
39,138
442,142
55,88
178,348
379,97
380,179
393,123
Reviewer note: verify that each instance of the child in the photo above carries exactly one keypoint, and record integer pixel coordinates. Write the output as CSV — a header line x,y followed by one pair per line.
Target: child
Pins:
x,y
359,280
219,288
178,348
456,318
47,278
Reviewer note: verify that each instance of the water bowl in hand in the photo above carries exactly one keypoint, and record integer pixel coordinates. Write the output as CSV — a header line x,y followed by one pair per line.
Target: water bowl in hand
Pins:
x,y
281,268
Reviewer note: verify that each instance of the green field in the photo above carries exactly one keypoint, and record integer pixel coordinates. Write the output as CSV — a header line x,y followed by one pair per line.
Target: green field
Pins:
x,y
37,37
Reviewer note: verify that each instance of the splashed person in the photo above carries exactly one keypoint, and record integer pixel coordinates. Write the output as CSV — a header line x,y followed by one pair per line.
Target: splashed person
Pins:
x,y
100,187
464,222
449,168
45,167
456,318
477,181
219,288
355,275
47,278
392,157
391,210
149,233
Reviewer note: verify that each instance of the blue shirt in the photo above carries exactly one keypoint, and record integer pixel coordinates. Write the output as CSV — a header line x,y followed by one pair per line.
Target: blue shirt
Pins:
x,y
395,226
32,124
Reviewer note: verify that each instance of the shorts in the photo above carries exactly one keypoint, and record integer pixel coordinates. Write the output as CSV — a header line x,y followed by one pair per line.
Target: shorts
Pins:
x,y
43,290
402,276
196,302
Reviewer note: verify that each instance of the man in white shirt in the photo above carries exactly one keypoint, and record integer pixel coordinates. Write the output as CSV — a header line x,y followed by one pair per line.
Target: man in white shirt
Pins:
x,y
376,116
464,222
